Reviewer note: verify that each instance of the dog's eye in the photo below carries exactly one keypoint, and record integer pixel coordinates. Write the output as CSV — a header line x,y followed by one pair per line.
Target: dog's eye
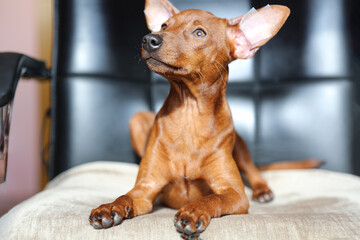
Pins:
x,y
199,33
163,27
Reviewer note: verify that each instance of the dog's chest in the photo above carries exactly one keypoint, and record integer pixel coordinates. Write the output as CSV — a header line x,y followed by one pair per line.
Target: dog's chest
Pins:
x,y
189,138
188,146
185,157
190,134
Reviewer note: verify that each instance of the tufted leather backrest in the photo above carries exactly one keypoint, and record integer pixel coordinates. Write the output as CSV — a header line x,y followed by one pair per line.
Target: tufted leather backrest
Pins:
x,y
291,101
99,80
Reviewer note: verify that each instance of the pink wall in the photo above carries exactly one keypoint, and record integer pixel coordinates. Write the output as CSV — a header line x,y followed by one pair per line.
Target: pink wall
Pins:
x,y
21,30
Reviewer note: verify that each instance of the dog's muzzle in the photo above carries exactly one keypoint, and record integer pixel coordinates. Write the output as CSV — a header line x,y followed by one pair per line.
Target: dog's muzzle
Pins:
x,y
152,42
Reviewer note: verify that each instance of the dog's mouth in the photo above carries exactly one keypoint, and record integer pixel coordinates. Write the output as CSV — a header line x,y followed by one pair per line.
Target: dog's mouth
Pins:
x,y
154,61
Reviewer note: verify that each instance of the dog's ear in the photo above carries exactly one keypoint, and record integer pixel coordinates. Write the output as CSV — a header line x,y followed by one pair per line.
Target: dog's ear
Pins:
x,y
157,12
252,30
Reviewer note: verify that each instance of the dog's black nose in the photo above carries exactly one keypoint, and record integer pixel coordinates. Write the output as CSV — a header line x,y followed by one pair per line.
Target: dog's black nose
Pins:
x,y
152,42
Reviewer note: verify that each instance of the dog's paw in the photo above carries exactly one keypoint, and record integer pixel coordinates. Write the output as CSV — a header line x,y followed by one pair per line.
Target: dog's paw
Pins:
x,y
190,221
262,194
111,214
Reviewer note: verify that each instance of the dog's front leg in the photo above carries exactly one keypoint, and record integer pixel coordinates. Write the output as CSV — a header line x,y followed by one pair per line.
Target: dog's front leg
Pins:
x,y
228,198
150,181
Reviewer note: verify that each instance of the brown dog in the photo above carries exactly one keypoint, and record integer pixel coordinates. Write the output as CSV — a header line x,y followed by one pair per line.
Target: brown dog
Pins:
x,y
191,155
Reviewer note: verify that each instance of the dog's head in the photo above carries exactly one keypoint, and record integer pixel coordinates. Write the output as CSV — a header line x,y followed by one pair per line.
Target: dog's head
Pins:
x,y
197,42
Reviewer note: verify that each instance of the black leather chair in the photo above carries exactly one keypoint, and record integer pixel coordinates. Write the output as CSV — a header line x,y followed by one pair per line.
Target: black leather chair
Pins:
x,y
293,100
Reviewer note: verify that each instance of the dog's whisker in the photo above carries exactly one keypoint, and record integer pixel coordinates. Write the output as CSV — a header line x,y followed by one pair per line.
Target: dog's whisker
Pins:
x,y
221,65
219,71
201,76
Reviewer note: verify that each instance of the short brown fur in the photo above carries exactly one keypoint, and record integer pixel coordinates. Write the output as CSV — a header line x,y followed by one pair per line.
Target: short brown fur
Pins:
x,y
191,155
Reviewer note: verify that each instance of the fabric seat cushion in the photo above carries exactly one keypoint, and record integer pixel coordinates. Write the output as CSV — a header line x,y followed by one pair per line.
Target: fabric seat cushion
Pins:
x,y
309,204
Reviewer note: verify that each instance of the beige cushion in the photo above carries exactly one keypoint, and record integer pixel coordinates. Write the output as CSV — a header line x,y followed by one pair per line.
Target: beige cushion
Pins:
x,y
309,204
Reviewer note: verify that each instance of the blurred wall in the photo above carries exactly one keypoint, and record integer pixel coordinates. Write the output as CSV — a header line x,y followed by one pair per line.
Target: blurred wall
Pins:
x,y
25,27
